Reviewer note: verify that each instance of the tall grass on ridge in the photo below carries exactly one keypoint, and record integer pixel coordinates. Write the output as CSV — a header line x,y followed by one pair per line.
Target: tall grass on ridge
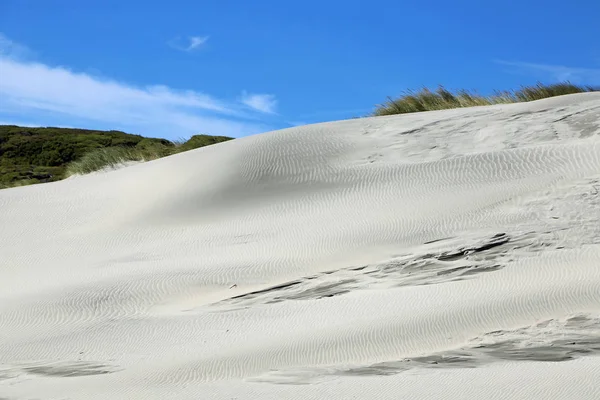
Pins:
x,y
113,157
442,99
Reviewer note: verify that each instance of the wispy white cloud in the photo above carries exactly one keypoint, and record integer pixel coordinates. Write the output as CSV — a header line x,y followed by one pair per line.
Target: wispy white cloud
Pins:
x,y
556,72
38,92
265,103
189,44
197,41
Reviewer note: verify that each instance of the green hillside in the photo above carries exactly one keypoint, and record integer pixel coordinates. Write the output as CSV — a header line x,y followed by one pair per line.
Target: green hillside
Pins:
x,y
36,155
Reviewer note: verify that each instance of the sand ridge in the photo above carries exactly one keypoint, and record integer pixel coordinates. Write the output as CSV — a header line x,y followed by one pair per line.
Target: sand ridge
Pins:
x,y
388,257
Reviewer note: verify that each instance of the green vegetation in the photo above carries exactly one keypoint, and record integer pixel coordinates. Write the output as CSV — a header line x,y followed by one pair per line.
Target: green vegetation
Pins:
x,y
35,155
144,151
441,98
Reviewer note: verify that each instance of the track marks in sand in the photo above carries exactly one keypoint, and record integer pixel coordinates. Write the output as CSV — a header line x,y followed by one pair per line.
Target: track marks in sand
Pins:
x,y
553,223
62,369
448,265
553,340
491,129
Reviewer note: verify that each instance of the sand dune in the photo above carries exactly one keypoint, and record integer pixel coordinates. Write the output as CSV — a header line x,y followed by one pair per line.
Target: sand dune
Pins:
x,y
451,254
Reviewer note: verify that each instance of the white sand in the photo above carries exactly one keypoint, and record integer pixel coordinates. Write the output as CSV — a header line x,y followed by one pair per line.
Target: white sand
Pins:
x,y
441,255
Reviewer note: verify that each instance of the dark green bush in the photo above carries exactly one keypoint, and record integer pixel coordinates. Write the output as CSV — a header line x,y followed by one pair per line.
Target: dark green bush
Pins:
x,y
36,155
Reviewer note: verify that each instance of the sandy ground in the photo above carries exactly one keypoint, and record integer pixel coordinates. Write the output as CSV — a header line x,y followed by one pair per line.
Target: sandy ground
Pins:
x,y
441,255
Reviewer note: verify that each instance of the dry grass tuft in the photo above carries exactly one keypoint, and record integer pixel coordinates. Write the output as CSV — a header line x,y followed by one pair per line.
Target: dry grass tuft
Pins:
x,y
442,99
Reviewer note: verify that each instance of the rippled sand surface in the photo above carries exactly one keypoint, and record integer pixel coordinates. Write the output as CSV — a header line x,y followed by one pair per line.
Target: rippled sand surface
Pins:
x,y
451,255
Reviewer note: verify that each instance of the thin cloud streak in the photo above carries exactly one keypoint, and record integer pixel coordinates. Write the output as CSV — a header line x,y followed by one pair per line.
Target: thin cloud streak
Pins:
x,y
192,43
556,72
197,41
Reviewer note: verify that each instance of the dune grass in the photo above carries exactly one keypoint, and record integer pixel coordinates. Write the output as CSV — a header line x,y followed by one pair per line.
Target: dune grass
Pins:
x,y
442,99
110,157
113,157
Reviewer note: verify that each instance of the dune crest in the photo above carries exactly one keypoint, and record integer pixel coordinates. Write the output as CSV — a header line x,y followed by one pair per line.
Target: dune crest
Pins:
x,y
450,254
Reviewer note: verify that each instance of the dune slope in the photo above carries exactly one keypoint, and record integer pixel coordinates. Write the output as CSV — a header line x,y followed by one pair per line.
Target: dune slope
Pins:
x,y
451,254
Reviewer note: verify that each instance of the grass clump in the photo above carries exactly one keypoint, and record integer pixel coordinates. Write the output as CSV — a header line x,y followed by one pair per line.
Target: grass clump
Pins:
x,y
442,99
99,159
145,150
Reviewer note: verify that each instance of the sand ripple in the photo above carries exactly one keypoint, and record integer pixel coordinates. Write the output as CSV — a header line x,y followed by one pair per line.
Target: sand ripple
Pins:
x,y
450,254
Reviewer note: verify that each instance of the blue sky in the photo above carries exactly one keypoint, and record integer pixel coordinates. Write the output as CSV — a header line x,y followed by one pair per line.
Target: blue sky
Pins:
x,y
238,67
